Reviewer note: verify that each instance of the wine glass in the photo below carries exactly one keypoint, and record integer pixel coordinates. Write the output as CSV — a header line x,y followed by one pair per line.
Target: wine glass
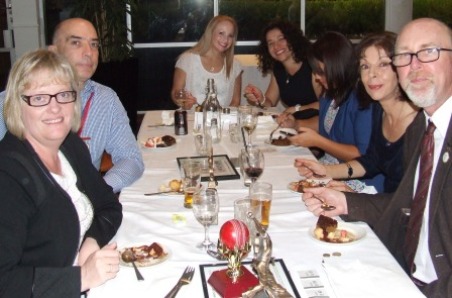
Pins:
x,y
205,208
253,162
181,98
248,121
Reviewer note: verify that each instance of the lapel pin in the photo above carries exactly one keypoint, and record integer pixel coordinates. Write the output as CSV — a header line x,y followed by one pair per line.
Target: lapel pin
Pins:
x,y
445,157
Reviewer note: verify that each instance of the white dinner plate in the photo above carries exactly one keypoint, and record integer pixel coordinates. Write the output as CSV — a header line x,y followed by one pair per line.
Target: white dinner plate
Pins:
x,y
147,262
277,134
358,231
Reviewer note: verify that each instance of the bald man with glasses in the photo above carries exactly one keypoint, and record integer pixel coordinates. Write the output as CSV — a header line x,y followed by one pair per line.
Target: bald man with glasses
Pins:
x,y
415,222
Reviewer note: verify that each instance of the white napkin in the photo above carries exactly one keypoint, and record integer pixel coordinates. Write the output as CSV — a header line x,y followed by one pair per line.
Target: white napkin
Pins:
x,y
167,117
369,189
265,120
353,278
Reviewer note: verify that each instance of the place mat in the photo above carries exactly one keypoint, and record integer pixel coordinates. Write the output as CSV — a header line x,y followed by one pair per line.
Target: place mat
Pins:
x,y
222,167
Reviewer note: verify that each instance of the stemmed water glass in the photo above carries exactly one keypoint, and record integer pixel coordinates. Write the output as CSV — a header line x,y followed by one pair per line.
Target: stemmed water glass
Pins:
x,y
252,160
248,121
181,98
205,208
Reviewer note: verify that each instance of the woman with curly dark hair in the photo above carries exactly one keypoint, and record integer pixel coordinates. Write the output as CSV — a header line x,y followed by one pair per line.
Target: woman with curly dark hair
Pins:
x,y
282,53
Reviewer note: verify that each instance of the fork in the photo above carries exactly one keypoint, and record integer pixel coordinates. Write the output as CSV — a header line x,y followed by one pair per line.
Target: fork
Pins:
x,y
185,279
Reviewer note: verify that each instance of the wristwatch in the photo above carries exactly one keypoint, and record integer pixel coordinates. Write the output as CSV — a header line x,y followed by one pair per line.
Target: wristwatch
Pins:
x,y
297,108
350,170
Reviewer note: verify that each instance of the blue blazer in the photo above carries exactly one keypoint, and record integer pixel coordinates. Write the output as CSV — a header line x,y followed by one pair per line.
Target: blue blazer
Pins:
x,y
352,126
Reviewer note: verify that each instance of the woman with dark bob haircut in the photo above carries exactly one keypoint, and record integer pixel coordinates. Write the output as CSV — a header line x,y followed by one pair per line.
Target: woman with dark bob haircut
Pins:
x,y
282,53
345,124
378,82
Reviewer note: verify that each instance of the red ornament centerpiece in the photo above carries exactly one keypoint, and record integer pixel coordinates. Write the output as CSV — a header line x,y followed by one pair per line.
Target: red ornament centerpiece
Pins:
x,y
233,244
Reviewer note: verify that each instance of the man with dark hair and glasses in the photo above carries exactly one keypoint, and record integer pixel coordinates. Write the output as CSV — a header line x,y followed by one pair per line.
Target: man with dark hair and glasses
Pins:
x,y
414,222
104,122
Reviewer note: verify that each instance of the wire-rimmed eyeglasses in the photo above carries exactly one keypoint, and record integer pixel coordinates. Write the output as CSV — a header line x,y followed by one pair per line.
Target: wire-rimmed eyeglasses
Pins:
x,y
39,100
424,56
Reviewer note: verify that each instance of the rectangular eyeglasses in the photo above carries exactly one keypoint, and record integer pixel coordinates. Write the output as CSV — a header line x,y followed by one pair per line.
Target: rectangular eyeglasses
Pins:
x,y
39,100
424,56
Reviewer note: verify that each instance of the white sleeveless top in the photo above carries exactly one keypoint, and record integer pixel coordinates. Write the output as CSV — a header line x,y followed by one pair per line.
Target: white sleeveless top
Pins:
x,y
196,78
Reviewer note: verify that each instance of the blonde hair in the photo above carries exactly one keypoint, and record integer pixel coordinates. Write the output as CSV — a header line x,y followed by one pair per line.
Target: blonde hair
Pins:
x,y
21,77
205,41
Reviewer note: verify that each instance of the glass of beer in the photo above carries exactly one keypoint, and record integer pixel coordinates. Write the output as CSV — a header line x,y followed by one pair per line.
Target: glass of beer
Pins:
x,y
261,200
191,172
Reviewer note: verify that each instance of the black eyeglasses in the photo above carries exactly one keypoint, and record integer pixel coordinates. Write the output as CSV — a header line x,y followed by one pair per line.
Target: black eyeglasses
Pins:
x,y
424,56
39,100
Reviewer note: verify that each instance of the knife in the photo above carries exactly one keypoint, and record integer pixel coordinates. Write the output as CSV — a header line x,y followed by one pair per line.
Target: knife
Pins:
x,y
164,192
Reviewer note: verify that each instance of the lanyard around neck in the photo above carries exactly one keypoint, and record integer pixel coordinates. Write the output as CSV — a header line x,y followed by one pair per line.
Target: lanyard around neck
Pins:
x,y
85,113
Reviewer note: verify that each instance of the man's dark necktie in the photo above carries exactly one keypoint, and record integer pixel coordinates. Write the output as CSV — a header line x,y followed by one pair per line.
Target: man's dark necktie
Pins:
x,y
420,197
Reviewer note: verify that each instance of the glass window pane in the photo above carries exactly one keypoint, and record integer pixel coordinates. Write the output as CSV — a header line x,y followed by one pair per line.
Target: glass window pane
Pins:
x,y
252,16
171,20
438,9
354,18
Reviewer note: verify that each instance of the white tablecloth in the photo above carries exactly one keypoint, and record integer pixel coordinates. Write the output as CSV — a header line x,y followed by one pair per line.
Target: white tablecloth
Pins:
x,y
151,219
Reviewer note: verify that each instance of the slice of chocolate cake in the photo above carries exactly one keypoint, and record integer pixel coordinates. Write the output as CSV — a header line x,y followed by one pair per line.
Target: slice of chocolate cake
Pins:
x,y
281,142
325,225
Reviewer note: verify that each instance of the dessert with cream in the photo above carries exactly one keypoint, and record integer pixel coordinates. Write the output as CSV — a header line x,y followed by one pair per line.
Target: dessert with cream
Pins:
x,y
327,230
160,142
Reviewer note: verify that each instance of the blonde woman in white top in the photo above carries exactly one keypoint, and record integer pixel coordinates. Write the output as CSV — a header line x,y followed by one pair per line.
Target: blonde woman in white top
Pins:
x,y
211,57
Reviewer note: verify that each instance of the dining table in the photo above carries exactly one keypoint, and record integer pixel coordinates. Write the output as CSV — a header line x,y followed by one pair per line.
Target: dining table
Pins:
x,y
304,265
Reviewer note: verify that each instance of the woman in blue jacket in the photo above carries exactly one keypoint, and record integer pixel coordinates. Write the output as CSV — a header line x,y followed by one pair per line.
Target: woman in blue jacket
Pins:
x,y
345,124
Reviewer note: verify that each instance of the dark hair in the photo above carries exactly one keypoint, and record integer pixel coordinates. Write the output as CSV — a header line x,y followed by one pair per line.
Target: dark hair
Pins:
x,y
382,40
336,52
296,41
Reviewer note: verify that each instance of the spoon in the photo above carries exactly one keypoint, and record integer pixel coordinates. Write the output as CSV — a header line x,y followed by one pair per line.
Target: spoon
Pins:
x,y
325,206
128,257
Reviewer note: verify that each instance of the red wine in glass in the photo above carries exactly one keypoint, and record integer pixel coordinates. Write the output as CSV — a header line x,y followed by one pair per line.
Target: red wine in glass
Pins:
x,y
252,160
254,173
